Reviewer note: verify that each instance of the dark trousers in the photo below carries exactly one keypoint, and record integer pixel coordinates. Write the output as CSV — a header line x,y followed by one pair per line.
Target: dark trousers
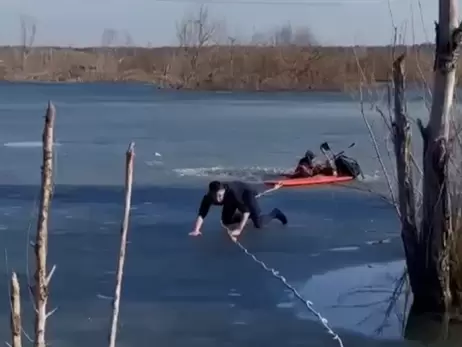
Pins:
x,y
231,215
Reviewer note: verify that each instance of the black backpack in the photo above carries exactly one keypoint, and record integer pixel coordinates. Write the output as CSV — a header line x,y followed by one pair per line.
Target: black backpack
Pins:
x,y
347,166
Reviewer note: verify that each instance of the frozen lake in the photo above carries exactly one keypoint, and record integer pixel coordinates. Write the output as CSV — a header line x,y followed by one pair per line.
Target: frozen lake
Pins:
x,y
194,291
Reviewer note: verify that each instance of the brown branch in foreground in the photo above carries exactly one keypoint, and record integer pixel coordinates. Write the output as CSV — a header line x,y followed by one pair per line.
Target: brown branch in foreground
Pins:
x,y
41,244
404,168
130,156
15,312
403,152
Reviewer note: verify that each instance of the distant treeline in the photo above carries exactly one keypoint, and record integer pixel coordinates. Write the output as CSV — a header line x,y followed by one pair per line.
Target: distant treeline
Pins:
x,y
219,67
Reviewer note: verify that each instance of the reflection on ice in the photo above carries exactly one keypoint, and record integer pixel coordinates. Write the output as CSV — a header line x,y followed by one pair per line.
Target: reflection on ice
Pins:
x,y
355,299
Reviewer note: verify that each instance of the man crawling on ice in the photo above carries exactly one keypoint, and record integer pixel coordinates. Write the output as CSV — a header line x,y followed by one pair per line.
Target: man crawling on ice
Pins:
x,y
239,203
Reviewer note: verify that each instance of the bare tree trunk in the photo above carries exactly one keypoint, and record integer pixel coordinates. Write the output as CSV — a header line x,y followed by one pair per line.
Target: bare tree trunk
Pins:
x,y
123,243
428,245
41,244
15,312
436,226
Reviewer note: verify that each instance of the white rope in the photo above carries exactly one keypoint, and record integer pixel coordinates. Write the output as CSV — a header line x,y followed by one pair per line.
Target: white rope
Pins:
x,y
307,303
276,274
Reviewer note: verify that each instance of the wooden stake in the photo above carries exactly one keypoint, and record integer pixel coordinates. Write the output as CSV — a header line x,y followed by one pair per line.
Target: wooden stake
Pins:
x,y
15,312
41,243
123,243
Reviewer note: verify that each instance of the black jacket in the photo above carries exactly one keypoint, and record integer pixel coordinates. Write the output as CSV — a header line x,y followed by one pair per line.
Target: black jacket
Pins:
x,y
236,194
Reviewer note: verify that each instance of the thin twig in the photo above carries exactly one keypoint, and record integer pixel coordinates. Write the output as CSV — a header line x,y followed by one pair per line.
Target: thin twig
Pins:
x,y
372,135
130,155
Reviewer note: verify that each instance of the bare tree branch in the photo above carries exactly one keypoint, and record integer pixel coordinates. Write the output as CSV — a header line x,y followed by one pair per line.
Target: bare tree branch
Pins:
x,y
194,32
109,37
28,32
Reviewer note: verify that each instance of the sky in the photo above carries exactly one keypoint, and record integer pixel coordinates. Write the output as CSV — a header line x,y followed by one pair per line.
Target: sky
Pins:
x,y
153,22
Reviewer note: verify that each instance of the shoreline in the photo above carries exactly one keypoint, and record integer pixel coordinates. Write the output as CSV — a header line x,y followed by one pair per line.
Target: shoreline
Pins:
x,y
352,93
172,89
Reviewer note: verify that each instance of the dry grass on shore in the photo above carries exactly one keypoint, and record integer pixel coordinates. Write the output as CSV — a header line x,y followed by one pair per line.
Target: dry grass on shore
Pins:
x,y
219,67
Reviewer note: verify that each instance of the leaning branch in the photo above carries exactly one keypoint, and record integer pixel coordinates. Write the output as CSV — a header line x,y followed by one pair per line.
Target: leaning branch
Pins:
x,y
130,156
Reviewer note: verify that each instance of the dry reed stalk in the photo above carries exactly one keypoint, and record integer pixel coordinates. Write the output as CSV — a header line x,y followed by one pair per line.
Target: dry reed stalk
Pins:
x,y
15,312
42,280
130,156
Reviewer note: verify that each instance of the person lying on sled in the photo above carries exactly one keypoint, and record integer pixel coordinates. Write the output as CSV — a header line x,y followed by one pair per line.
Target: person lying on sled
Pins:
x,y
307,167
